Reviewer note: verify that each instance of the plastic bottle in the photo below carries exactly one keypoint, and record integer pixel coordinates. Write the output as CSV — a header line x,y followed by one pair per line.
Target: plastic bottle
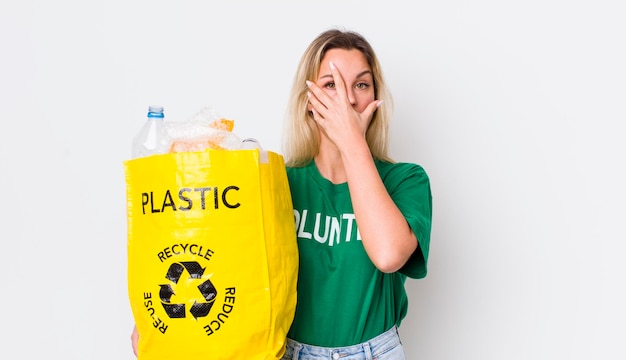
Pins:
x,y
152,137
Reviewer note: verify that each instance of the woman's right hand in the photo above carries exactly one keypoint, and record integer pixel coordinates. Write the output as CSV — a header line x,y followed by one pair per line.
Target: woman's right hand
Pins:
x,y
134,339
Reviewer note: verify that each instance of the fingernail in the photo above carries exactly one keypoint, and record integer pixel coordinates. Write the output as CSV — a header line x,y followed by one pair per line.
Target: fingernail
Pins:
x,y
332,66
308,83
308,94
380,103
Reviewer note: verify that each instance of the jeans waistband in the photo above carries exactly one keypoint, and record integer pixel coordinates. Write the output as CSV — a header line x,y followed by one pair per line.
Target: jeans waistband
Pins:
x,y
367,350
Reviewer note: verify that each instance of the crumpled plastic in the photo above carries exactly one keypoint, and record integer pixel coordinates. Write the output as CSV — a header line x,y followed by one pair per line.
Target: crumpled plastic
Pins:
x,y
205,130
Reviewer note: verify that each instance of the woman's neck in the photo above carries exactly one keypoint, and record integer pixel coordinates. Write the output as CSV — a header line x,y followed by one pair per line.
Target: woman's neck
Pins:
x,y
329,162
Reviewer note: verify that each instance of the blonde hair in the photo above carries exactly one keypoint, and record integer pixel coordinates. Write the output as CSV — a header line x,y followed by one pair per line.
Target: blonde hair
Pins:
x,y
301,137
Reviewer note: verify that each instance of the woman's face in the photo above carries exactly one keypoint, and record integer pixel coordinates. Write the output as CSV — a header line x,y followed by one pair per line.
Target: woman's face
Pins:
x,y
356,74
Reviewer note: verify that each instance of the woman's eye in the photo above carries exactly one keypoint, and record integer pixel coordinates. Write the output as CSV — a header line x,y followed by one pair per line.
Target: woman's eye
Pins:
x,y
362,86
330,85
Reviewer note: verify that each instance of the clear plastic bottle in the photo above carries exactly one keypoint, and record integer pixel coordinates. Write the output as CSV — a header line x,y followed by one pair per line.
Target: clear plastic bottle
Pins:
x,y
152,137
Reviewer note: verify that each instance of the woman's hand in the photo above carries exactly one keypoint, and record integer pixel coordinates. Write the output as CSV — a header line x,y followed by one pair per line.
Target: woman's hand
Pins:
x,y
134,339
342,113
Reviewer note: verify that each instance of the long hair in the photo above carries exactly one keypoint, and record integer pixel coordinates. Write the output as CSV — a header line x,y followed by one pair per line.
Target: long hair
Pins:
x,y
301,138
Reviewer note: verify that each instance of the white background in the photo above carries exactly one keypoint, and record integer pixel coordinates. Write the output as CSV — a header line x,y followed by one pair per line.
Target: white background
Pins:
x,y
516,110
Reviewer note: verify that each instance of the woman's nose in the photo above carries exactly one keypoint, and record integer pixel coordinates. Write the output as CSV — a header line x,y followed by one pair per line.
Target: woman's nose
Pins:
x,y
351,97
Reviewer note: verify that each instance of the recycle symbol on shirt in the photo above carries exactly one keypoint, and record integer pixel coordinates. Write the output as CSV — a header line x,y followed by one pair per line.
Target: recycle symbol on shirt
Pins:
x,y
205,295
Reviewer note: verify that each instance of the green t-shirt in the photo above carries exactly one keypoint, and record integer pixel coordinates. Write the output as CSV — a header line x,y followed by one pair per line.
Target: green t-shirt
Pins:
x,y
343,299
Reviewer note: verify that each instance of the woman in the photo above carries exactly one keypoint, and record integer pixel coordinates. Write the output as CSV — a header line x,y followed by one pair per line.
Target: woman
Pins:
x,y
363,222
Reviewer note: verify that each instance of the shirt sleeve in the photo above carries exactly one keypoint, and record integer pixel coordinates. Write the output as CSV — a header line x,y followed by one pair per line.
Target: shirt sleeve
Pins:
x,y
409,187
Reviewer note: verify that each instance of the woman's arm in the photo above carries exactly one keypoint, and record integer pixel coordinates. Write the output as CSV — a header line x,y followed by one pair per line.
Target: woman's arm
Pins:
x,y
386,235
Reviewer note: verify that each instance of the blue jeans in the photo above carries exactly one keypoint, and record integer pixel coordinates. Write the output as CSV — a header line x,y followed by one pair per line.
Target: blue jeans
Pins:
x,y
386,346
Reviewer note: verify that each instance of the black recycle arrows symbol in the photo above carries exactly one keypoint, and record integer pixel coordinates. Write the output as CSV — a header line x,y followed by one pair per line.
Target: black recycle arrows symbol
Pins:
x,y
207,290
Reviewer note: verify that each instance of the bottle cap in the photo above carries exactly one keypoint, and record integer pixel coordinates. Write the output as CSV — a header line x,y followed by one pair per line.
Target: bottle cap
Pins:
x,y
155,111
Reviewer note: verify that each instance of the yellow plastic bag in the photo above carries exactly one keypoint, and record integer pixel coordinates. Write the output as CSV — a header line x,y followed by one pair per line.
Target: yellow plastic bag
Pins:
x,y
212,254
